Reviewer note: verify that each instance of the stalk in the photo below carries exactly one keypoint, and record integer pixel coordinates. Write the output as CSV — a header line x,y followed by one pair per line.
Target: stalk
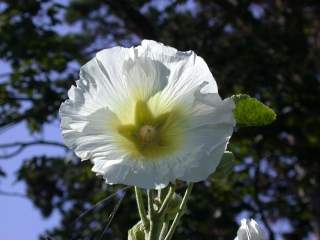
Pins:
x,y
141,208
180,212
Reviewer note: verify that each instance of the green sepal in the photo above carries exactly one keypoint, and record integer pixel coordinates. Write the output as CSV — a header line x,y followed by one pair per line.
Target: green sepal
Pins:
x,y
137,232
251,112
225,166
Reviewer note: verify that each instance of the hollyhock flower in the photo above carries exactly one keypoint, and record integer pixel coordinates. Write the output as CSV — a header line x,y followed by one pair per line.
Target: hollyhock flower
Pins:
x,y
249,230
147,115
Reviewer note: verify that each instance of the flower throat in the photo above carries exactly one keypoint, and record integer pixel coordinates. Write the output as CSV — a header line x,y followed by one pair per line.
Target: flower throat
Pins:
x,y
152,136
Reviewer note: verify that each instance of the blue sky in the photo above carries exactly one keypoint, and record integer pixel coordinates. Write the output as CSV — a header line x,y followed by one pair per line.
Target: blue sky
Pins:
x,y
19,218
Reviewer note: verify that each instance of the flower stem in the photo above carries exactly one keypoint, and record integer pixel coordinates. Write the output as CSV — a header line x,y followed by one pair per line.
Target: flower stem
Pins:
x,y
155,228
166,201
179,213
141,208
155,220
157,224
150,204
164,230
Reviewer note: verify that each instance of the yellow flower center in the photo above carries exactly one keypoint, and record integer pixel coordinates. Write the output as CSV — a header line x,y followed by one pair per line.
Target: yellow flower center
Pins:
x,y
152,136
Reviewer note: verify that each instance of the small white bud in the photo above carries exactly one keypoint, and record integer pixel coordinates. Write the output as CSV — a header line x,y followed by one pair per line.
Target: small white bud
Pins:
x,y
249,230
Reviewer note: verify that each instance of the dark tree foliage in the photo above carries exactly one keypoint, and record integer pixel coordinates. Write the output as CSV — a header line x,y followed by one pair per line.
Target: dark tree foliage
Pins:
x,y
268,49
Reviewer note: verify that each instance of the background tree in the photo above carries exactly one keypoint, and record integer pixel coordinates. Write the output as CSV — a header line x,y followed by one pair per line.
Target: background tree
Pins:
x,y
268,49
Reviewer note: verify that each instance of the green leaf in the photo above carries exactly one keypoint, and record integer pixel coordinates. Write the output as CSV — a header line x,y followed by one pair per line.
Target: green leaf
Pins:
x,y
251,112
225,166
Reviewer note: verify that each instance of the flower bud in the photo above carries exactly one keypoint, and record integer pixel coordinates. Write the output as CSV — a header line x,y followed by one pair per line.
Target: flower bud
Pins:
x,y
136,232
249,230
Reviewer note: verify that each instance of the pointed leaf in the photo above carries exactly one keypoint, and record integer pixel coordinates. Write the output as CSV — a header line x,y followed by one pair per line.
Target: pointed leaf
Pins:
x,y
251,112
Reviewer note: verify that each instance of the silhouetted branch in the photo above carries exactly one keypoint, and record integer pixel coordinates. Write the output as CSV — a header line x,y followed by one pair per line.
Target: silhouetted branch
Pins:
x,y
14,120
20,146
4,75
13,194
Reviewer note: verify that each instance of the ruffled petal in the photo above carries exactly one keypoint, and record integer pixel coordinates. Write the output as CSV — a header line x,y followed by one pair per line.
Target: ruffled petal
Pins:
x,y
205,163
144,77
89,134
187,72
130,78
113,171
146,175
102,80
117,78
132,172
211,128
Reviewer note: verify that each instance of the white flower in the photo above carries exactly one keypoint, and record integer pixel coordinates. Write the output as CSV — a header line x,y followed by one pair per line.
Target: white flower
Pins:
x,y
147,115
249,230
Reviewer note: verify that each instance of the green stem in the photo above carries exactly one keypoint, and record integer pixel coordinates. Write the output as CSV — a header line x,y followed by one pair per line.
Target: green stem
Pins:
x,y
155,228
179,213
163,192
141,208
166,201
164,230
150,204
157,217
155,220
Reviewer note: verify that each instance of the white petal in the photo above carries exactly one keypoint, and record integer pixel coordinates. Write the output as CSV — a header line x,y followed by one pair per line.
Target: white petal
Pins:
x,y
113,171
102,80
256,230
249,230
117,77
130,172
146,175
211,128
128,78
89,135
187,72
210,109
145,77
205,162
